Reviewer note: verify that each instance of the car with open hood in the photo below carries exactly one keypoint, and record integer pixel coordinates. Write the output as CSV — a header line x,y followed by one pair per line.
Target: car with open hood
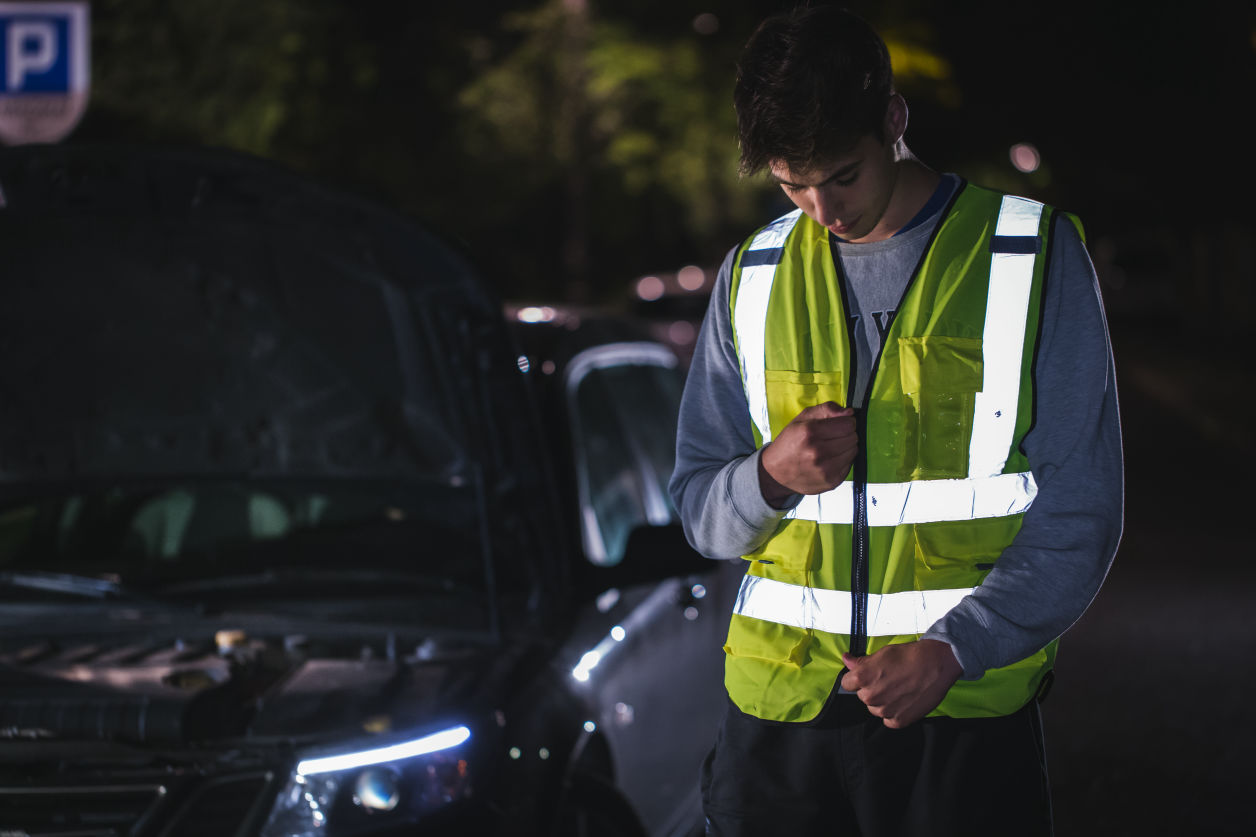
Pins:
x,y
296,538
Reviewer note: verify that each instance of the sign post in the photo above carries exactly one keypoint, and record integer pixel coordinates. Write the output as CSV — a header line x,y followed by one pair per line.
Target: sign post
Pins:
x,y
44,70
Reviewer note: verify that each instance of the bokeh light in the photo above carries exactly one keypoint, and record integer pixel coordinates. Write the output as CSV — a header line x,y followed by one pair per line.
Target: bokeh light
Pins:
x,y
681,332
706,24
691,277
649,288
1025,157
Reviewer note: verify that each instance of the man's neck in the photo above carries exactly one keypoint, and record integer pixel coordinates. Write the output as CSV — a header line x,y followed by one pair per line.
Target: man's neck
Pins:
x,y
916,183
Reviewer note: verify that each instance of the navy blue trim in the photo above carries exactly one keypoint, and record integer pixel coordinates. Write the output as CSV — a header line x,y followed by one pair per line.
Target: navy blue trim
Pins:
x,y
1017,245
754,258
947,186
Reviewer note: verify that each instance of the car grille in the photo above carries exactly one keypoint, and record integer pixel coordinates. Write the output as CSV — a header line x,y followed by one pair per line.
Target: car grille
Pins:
x,y
219,806
93,811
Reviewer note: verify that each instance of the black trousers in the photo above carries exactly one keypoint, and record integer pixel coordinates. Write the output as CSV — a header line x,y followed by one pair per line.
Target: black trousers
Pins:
x,y
848,774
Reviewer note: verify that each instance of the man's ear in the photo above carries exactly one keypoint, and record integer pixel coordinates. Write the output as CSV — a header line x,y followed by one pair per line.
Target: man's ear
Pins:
x,y
895,118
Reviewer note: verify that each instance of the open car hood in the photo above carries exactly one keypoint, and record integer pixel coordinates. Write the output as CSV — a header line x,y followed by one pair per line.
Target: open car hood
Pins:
x,y
177,312
236,684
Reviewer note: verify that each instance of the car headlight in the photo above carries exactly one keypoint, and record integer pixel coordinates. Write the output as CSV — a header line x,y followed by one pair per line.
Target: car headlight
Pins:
x,y
339,791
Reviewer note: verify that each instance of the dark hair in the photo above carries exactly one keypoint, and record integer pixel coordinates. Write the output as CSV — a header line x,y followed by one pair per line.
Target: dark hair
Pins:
x,y
810,84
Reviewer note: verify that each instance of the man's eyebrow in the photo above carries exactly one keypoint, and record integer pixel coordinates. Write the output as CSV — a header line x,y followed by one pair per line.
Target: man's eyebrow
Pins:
x,y
842,172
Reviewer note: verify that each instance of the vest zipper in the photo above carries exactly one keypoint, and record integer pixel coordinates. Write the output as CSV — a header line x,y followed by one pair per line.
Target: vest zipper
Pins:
x,y
859,547
859,475
859,470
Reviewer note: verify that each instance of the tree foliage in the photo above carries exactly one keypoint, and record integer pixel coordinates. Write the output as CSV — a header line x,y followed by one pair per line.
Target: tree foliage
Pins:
x,y
631,126
568,144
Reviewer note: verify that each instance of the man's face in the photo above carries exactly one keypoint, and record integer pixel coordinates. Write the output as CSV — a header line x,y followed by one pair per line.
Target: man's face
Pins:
x,y
849,194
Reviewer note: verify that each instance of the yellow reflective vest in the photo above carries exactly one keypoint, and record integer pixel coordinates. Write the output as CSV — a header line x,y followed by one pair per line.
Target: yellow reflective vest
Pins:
x,y
940,485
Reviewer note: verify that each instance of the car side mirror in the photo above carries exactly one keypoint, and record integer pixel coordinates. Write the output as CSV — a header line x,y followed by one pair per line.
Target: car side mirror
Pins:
x,y
652,554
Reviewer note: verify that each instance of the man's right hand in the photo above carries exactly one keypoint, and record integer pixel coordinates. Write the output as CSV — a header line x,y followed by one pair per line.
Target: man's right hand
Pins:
x,y
812,454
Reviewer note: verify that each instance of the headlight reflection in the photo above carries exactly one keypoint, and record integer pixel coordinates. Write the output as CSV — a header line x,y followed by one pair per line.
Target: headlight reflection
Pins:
x,y
380,755
408,779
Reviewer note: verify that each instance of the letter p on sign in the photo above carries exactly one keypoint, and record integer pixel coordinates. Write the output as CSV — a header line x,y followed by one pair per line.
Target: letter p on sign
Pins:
x,y
31,50
44,69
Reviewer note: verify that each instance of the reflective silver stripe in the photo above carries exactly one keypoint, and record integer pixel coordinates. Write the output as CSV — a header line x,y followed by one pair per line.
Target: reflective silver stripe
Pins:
x,y
1003,341
750,319
924,501
889,614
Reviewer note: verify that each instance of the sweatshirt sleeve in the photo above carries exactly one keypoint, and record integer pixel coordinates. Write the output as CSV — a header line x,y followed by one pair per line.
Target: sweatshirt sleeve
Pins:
x,y
715,485
1047,577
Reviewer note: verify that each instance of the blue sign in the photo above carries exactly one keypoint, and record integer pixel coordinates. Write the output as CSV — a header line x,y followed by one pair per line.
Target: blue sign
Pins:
x,y
36,51
44,69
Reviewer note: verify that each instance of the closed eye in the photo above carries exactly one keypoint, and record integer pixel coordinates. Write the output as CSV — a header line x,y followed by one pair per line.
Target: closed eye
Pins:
x,y
844,177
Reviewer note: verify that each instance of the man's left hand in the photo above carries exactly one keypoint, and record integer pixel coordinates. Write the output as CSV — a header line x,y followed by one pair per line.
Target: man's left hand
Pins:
x,y
900,684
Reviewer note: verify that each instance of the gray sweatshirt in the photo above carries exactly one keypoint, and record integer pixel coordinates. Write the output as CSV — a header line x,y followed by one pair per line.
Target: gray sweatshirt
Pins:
x,y
1047,577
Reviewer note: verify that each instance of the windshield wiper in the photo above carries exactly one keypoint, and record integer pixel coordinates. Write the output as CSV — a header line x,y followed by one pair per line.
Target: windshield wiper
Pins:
x,y
84,586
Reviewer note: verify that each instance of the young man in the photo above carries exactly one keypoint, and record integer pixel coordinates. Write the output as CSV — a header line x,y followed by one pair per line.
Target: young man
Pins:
x,y
902,414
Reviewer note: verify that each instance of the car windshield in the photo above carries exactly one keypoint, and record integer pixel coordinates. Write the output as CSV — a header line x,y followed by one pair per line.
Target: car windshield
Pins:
x,y
227,387
365,551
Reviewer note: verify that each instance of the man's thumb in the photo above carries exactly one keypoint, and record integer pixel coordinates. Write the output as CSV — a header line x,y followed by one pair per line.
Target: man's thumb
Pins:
x,y
830,409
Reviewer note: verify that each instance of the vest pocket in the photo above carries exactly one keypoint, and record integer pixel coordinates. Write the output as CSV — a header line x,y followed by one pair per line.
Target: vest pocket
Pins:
x,y
789,552
789,393
959,553
769,642
940,377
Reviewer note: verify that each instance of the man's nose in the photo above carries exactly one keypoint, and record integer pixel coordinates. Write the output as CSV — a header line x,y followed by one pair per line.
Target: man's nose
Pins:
x,y
828,208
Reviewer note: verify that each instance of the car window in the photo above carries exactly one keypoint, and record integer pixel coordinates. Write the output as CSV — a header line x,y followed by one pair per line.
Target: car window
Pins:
x,y
623,400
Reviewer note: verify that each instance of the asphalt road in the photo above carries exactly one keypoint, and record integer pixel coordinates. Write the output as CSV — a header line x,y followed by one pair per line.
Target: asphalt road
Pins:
x,y
1147,728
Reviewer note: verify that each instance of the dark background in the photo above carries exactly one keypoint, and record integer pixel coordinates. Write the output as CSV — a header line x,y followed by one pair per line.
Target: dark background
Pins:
x,y
573,146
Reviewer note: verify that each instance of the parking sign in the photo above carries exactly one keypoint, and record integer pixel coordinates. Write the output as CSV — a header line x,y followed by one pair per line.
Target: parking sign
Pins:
x,y
44,70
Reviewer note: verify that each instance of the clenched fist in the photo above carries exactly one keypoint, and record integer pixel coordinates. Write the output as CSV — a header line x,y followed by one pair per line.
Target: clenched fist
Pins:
x,y
812,454
900,684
